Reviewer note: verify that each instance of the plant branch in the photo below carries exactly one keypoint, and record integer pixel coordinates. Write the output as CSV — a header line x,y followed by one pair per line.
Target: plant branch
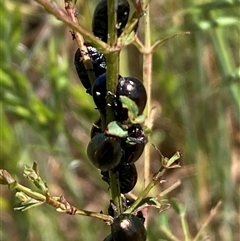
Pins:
x,y
162,41
146,4
112,80
169,235
126,36
184,223
137,5
60,15
213,212
170,189
59,203
85,58
157,178
147,80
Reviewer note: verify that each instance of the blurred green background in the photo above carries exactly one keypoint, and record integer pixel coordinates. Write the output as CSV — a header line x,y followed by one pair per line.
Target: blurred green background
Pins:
x,y
46,117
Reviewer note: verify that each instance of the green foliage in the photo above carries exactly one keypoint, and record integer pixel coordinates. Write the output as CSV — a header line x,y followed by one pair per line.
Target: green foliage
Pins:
x,y
46,117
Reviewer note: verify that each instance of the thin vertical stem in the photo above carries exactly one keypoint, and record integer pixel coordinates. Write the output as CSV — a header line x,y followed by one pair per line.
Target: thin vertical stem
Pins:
x,y
147,80
112,58
225,62
112,79
185,226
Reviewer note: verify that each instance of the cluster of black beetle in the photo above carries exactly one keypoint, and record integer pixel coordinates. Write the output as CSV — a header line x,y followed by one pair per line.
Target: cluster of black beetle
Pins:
x,y
108,152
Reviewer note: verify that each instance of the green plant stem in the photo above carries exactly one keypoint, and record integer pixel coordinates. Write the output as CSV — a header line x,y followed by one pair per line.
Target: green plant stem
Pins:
x,y
112,58
169,235
224,58
35,195
143,194
146,4
213,212
156,179
185,226
112,80
170,189
115,192
55,202
147,79
162,41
